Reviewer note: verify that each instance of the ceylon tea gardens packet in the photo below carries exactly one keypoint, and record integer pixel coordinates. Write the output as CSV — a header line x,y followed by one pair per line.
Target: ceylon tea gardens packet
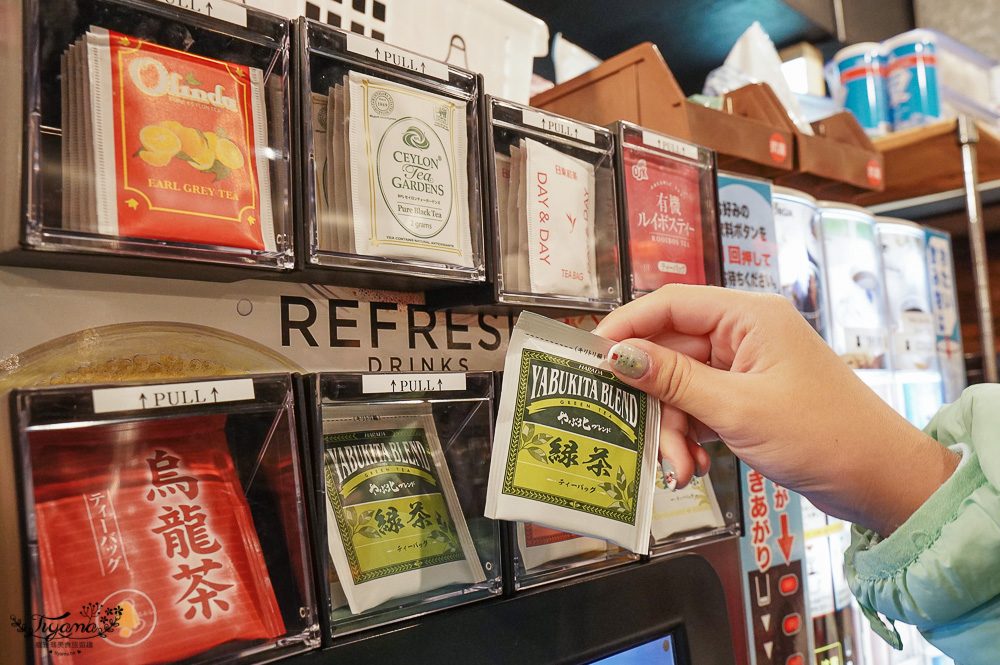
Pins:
x,y
176,145
394,524
575,449
409,178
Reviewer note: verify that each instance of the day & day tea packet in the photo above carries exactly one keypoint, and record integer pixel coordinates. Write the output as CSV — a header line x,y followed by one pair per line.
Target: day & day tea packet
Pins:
x,y
575,448
395,527
546,208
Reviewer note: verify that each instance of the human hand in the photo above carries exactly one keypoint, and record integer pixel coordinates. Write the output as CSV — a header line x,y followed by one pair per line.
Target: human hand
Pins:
x,y
748,366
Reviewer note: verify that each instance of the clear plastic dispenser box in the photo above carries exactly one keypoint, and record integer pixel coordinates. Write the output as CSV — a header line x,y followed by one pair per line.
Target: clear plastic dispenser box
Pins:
x,y
390,166
553,231
149,132
667,211
400,464
164,522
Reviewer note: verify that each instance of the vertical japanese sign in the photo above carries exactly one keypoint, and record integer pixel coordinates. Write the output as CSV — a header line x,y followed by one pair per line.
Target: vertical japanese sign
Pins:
x,y
772,551
746,232
944,308
772,547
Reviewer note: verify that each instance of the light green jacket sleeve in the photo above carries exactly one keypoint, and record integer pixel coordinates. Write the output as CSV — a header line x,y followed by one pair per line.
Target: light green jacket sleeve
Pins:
x,y
940,571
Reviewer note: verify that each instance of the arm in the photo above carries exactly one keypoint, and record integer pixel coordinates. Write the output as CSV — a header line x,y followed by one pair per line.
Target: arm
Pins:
x,y
750,368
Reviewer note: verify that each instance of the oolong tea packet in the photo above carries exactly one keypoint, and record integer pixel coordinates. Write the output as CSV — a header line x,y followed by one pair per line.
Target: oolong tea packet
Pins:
x,y
575,449
409,177
394,524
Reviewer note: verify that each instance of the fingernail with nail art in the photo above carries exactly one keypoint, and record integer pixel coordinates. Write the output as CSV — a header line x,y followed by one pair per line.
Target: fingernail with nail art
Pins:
x,y
628,360
669,474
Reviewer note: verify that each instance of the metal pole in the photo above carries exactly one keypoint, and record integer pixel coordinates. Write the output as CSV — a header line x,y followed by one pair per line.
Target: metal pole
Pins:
x,y
968,136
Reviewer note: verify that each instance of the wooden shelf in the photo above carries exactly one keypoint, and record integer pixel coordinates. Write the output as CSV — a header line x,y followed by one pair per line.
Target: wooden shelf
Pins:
x,y
928,160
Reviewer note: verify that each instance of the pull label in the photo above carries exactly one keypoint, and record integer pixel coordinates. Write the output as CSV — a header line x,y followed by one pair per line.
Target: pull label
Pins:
x,y
168,395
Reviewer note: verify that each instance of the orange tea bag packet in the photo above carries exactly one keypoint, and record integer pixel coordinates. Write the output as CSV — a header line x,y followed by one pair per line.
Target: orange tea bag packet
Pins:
x,y
178,145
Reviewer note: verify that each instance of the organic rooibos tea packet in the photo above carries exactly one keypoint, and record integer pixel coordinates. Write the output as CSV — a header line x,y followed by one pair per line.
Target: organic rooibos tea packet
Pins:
x,y
575,448
408,172
395,526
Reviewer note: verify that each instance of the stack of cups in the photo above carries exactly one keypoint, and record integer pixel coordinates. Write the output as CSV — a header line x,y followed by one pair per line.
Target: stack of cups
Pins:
x,y
912,79
862,69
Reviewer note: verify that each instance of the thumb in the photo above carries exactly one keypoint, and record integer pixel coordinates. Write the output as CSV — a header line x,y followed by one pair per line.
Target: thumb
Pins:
x,y
674,378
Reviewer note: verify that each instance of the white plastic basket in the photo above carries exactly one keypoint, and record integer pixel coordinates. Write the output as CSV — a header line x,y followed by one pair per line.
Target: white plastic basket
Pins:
x,y
491,37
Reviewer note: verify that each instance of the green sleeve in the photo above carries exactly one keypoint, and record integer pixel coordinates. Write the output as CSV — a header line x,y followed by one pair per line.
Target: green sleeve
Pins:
x,y
940,571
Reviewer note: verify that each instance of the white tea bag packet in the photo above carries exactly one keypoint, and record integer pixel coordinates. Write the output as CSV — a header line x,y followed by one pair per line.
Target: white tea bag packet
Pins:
x,y
342,184
559,205
692,508
515,222
395,526
503,183
321,128
539,545
575,449
409,173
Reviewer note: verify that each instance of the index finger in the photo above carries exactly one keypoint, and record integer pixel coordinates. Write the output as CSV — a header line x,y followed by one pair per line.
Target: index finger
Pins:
x,y
682,308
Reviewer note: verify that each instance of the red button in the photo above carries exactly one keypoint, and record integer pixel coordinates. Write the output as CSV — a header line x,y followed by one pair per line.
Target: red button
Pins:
x,y
795,659
791,624
788,584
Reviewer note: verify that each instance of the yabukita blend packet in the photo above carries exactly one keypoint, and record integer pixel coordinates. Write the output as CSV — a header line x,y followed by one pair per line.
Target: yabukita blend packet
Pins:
x,y
575,448
394,524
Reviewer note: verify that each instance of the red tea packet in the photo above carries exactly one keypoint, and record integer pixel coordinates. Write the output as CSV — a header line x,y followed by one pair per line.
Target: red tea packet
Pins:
x,y
665,225
148,517
176,141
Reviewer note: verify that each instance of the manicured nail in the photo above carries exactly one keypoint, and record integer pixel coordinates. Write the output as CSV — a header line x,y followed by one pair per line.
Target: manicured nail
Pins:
x,y
628,360
669,475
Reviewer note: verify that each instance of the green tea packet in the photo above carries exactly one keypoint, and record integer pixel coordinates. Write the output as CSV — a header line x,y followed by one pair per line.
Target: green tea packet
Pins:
x,y
575,449
692,508
395,526
409,178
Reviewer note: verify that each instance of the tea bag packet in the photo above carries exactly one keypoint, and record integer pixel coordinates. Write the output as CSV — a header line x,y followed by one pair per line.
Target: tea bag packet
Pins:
x,y
409,178
342,174
692,508
322,122
558,196
171,145
150,516
504,165
575,448
665,223
540,545
395,526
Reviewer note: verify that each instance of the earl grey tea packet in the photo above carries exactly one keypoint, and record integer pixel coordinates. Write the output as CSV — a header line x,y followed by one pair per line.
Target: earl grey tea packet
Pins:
x,y
575,448
395,525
